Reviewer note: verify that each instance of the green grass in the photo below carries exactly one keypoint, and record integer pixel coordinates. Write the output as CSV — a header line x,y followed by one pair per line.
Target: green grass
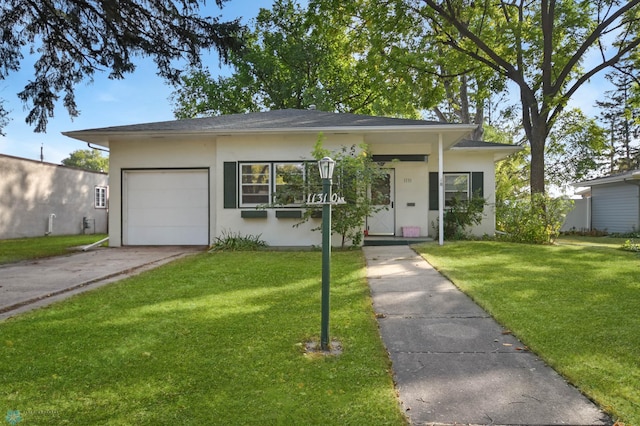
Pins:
x,y
576,304
209,339
16,250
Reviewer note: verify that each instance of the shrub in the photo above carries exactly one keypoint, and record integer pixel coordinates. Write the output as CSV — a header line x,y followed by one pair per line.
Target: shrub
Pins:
x,y
633,234
631,245
230,241
460,215
535,219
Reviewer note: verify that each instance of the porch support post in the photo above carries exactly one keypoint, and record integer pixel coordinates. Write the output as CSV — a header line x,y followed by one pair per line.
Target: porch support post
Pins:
x,y
440,191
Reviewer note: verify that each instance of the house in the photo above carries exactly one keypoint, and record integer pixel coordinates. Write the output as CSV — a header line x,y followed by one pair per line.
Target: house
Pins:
x,y
186,182
39,198
610,203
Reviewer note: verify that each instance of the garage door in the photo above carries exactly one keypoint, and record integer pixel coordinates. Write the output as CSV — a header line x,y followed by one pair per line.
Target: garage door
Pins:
x,y
166,207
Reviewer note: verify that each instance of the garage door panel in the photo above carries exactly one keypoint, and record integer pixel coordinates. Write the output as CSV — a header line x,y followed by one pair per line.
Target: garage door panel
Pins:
x,y
163,236
167,198
166,207
171,217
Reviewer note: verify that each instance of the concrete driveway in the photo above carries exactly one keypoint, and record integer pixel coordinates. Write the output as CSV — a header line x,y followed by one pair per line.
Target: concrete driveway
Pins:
x,y
27,285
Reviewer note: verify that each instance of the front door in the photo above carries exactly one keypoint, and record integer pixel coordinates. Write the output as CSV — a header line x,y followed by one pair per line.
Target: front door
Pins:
x,y
383,196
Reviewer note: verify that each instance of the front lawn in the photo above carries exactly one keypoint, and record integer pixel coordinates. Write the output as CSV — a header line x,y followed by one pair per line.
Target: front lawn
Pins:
x,y
209,339
576,304
18,249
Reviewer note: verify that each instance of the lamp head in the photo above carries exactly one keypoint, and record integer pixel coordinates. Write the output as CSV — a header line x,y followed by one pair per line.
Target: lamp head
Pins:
x,y
326,166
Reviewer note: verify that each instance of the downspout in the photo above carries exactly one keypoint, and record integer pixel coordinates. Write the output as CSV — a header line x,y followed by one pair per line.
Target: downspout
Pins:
x,y
440,191
50,225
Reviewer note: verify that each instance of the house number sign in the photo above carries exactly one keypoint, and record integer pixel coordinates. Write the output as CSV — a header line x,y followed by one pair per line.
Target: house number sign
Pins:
x,y
320,198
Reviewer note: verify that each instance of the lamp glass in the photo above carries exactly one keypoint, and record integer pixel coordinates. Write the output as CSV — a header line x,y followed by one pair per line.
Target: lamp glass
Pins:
x,y
326,166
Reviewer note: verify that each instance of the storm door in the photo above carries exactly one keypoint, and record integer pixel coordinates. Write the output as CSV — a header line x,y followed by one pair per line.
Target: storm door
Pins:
x,y
382,192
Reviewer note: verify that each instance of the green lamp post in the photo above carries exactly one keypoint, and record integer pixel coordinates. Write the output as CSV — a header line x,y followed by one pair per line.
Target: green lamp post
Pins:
x,y
326,166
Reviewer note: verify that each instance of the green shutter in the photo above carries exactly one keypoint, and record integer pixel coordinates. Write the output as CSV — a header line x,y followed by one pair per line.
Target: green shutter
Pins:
x,y
477,184
433,191
230,185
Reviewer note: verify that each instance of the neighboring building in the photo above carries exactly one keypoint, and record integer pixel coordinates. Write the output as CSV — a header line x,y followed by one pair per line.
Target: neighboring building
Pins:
x,y
612,203
38,198
186,182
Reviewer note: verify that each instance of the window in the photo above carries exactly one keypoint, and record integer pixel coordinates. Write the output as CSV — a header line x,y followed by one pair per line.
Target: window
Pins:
x,y
100,197
255,184
456,185
289,183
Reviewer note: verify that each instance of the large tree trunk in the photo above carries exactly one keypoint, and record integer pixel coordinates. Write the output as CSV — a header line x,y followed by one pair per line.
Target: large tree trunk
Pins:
x,y
537,140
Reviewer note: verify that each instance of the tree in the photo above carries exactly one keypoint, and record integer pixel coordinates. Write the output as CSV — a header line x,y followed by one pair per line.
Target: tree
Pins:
x,y
290,60
620,112
72,39
574,148
539,46
355,172
88,159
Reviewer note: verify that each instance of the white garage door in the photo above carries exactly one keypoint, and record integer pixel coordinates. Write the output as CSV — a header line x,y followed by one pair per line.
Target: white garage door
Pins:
x,y
166,207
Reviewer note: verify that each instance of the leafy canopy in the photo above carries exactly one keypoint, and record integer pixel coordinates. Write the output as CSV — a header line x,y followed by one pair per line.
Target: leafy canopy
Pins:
x,y
542,47
72,39
88,159
292,59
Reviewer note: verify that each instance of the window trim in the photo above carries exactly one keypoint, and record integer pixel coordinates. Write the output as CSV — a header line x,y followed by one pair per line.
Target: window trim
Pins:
x,y
241,184
457,174
100,197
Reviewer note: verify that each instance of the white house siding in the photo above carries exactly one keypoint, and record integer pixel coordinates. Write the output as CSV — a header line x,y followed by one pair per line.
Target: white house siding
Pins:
x,y
213,153
463,161
156,154
31,191
276,231
615,207
411,185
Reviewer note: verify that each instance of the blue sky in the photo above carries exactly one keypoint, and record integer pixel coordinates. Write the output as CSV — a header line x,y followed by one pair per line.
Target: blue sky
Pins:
x,y
139,98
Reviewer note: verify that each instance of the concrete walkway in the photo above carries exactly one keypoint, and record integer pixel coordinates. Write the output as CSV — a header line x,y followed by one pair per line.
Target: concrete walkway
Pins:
x,y
452,363
28,285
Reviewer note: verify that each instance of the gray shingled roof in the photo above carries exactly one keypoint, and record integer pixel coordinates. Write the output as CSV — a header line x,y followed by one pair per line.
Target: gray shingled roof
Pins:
x,y
276,119
618,177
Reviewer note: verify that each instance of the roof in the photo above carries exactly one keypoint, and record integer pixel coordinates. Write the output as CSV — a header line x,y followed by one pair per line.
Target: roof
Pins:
x,y
618,177
500,150
287,121
284,121
276,119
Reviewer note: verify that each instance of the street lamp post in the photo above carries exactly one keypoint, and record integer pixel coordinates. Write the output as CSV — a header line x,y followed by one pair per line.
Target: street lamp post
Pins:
x,y
326,166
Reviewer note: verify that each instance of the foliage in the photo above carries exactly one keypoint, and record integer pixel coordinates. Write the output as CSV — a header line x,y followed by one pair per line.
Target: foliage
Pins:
x,y
535,219
541,47
631,245
211,339
459,215
290,60
353,176
635,233
230,241
72,39
620,111
573,149
19,249
574,305
88,159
